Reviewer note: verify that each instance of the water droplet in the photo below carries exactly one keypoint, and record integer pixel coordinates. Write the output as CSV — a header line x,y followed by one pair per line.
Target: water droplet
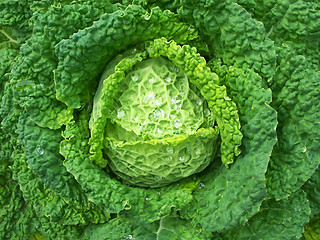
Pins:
x,y
178,106
191,28
171,68
172,116
24,82
135,77
157,178
149,97
121,113
40,151
168,79
141,128
168,159
128,237
286,220
198,151
151,80
304,149
177,123
174,100
158,101
297,209
147,17
206,112
159,113
176,70
147,199
181,159
159,131
169,150
201,185
136,119
156,114
134,51
199,102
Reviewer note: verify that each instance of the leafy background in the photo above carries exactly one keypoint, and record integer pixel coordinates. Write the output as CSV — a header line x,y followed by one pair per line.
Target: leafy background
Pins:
x,y
265,52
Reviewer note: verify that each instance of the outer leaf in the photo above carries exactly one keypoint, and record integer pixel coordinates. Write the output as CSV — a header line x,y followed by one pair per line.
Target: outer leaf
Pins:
x,y
7,57
33,71
296,96
312,231
9,111
15,14
49,206
15,214
170,227
303,32
239,40
276,220
16,217
93,47
294,22
42,154
7,40
227,197
312,188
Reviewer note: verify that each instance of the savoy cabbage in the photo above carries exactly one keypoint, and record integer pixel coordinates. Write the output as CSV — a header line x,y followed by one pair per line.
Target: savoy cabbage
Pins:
x,y
150,119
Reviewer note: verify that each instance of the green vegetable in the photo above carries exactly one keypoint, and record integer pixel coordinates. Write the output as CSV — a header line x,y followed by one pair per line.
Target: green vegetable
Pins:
x,y
159,120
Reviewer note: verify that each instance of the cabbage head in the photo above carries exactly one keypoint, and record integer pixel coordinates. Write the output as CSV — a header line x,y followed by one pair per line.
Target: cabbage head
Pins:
x,y
143,119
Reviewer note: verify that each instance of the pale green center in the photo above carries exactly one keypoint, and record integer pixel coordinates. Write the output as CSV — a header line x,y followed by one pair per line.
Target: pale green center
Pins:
x,y
157,101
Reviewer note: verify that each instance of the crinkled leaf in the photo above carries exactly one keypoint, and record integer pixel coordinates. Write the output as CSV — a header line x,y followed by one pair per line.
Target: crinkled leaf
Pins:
x,y
276,220
142,205
33,71
93,47
312,188
170,227
312,229
42,154
296,97
239,40
227,197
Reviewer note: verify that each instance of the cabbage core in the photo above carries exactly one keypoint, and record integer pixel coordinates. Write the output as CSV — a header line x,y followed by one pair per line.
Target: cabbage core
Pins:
x,y
156,116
